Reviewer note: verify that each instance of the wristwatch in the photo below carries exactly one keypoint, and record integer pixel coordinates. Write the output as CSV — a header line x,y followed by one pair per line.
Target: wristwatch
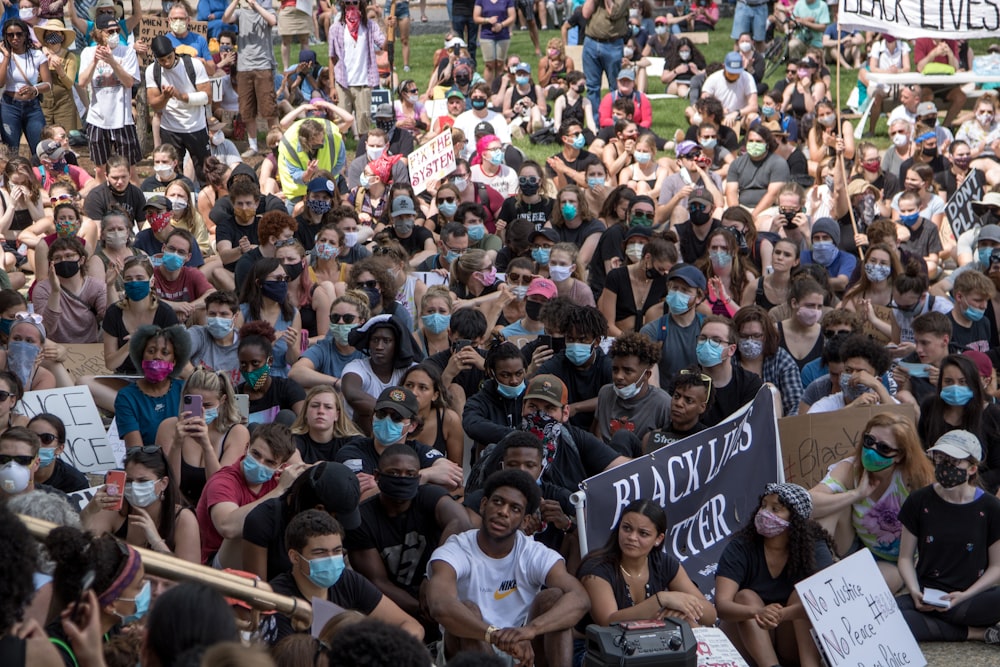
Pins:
x,y
489,633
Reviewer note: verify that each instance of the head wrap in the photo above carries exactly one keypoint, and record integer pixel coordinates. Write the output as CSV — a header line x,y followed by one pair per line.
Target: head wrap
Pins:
x,y
124,578
792,496
382,167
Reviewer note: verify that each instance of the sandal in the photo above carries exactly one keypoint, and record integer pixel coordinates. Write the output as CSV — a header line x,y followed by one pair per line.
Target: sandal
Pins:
x,y
423,19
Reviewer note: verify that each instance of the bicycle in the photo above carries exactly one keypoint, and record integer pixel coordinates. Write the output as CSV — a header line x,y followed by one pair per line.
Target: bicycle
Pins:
x,y
776,53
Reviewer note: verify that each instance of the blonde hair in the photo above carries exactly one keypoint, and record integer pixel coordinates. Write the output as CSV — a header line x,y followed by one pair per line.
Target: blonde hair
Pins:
x,y
438,292
217,382
463,268
359,300
342,428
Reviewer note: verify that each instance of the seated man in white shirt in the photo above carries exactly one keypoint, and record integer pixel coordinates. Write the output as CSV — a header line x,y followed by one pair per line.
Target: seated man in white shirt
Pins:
x,y
484,586
735,88
865,361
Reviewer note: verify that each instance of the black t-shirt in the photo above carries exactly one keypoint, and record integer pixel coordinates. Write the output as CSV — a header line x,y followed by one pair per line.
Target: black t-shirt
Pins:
x,y
669,435
580,164
938,164
727,138
352,591
282,392
692,249
975,337
744,562
740,391
66,478
470,380
153,184
619,283
114,324
538,213
953,541
663,568
404,542
314,452
363,450
306,233
581,384
265,527
579,235
609,247
415,242
570,467
226,227
102,200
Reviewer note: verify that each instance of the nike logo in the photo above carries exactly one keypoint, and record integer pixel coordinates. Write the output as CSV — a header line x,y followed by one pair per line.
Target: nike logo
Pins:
x,y
497,595
504,589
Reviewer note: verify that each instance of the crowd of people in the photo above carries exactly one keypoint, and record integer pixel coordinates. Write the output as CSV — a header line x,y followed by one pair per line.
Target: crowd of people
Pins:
x,y
354,391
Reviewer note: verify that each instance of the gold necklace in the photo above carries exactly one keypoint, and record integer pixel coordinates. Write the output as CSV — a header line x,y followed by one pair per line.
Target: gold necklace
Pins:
x,y
627,573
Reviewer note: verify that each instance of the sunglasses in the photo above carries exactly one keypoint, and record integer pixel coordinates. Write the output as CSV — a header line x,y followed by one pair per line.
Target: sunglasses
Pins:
x,y
14,34
381,250
47,438
20,459
528,180
446,200
868,441
368,284
59,198
830,333
337,318
701,376
515,279
285,243
391,414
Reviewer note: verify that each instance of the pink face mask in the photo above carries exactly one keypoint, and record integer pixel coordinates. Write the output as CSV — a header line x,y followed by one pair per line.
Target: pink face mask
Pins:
x,y
487,278
157,370
808,316
769,524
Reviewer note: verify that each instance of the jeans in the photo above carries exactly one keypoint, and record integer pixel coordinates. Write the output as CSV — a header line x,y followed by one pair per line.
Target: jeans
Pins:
x,y
21,117
601,58
466,28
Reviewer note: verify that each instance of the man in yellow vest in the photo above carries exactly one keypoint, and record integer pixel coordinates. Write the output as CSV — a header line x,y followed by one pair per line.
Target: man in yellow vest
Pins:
x,y
309,146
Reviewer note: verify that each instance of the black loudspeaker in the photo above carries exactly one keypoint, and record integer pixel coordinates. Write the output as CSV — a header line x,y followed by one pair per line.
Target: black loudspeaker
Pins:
x,y
666,643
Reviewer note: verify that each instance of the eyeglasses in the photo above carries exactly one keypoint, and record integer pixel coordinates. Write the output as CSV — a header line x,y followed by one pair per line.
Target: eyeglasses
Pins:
x,y
368,284
830,333
19,33
277,279
47,438
381,250
175,251
284,243
715,339
20,459
707,379
752,336
868,441
529,180
457,251
391,414
519,279
337,318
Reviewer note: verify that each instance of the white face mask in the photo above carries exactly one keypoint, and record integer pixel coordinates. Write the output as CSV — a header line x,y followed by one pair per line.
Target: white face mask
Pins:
x,y
163,170
179,203
560,273
26,13
634,251
114,41
218,138
900,140
179,26
374,153
696,119
350,239
628,52
745,47
141,494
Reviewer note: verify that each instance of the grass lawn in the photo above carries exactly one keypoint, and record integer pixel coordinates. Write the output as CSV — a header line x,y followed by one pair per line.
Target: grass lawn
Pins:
x,y
668,115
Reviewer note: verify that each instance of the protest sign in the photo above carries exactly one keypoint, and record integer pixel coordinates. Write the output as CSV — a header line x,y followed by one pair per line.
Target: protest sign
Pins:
x,y
433,160
715,649
708,483
855,617
910,19
154,26
379,96
85,359
83,497
810,444
87,447
958,211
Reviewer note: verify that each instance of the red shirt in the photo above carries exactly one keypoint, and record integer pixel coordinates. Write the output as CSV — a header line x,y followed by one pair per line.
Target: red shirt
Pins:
x,y
189,286
925,45
226,486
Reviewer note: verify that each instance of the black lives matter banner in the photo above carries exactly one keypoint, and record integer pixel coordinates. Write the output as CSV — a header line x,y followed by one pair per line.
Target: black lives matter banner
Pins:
x,y
708,483
910,19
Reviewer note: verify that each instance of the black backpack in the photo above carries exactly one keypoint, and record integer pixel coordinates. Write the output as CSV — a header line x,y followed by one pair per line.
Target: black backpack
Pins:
x,y
188,65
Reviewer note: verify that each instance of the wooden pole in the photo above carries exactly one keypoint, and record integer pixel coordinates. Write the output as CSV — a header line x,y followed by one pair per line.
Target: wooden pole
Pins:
x,y
257,594
840,155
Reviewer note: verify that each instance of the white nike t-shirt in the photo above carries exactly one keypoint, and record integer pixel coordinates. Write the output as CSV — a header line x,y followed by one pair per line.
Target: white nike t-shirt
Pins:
x,y
502,588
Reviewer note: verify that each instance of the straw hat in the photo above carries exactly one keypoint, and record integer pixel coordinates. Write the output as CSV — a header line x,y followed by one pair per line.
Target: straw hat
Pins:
x,y
104,4
54,25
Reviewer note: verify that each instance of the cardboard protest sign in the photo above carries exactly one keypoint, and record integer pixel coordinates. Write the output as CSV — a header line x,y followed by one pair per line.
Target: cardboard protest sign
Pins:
x,y
432,161
715,649
87,446
154,26
911,19
709,483
810,444
85,359
958,210
855,617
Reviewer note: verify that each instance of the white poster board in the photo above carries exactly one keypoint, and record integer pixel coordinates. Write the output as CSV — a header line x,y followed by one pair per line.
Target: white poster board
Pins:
x,y
910,19
87,446
855,617
83,497
715,649
434,160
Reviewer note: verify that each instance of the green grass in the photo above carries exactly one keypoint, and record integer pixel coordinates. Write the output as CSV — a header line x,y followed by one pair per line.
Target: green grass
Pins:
x,y
668,115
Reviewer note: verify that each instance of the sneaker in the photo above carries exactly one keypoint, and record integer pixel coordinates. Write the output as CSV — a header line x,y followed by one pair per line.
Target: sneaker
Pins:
x,y
249,153
406,68
992,635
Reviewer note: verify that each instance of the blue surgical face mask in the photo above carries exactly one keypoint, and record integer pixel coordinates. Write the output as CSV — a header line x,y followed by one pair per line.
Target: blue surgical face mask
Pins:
x,y
141,604
448,208
720,258
436,322
172,261
909,220
824,252
325,572
387,431
984,258
255,472
709,353
495,157
568,211
594,182
578,353
510,392
46,456
541,255
211,414
341,331
678,302
137,290
579,141
451,256
476,232
956,394
974,314
522,80
219,327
